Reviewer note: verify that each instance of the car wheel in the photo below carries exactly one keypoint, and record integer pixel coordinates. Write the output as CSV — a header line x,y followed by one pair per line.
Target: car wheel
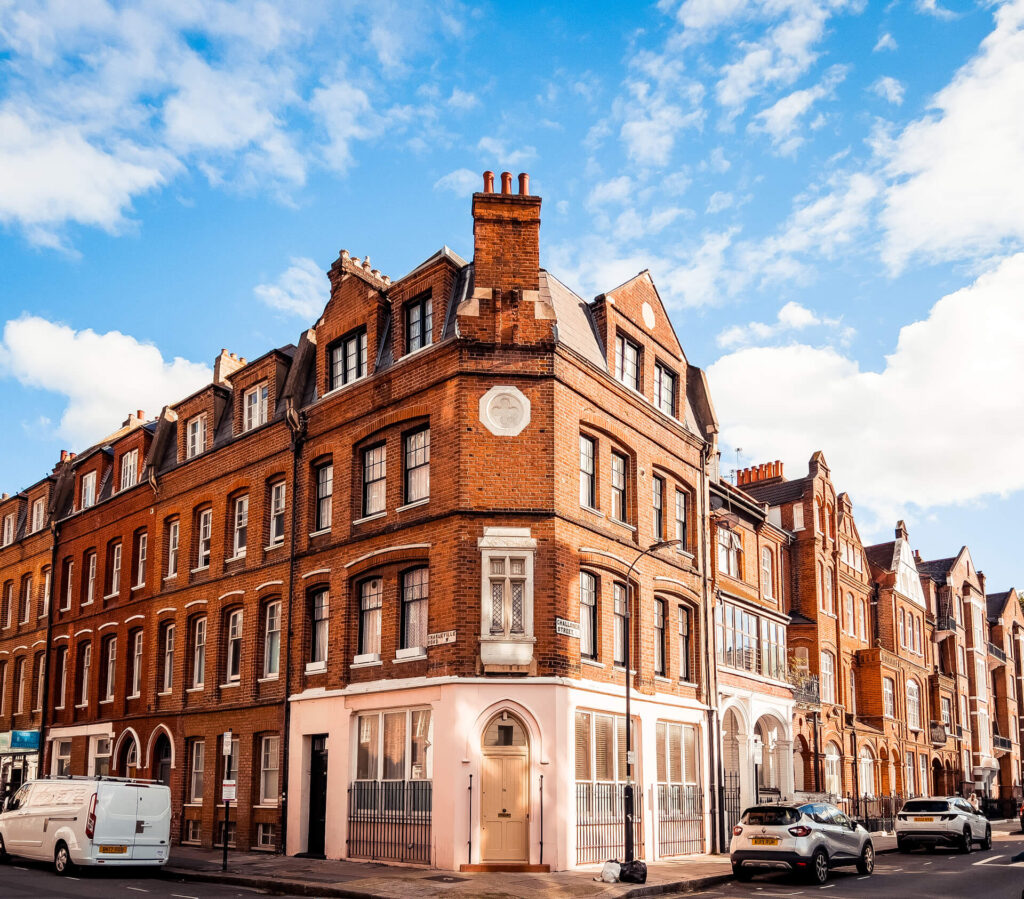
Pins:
x,y
966,842
819,867
866,865
62,859
987,842
742,874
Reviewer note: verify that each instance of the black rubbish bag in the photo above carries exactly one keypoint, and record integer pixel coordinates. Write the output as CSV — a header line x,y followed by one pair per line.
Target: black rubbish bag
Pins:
x,y
633,872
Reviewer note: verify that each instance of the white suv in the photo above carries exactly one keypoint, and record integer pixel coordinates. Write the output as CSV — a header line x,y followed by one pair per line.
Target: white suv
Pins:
x,y
951,821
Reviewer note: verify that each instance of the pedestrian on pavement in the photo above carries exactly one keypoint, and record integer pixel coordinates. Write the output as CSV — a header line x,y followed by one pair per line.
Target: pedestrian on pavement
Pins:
x,y
974,802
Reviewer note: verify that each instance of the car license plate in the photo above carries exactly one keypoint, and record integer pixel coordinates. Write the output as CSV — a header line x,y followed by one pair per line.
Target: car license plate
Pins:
x,y
924,819
765,841
113,850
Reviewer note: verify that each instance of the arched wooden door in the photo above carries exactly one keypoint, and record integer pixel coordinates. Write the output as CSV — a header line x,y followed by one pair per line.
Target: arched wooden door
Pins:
x,y
505,791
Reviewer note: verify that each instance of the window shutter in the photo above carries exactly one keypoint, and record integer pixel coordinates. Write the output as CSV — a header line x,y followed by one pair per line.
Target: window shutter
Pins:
x,y
582,746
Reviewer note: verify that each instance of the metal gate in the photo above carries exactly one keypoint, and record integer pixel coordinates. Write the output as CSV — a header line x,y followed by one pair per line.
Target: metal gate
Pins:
x,y
680,819
600,822
731,810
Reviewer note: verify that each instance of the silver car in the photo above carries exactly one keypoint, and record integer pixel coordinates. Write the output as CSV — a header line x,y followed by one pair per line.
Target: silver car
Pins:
x,y
950,821
808,839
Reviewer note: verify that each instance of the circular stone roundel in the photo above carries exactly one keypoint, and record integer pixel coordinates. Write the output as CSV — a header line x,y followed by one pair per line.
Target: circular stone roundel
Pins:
x,y
648,313
504,411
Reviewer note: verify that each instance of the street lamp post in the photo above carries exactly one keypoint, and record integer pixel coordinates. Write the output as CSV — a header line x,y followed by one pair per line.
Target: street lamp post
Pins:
x,y
627,793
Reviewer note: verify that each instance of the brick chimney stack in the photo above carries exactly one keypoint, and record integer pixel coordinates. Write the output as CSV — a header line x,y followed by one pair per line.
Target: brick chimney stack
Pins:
x,y
766,473
224,366
506,235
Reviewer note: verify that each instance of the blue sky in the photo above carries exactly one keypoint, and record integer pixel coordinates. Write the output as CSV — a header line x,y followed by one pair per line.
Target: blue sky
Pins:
x,y
828,194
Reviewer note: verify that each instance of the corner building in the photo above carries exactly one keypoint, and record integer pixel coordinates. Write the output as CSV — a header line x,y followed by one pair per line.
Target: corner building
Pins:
x,y
396,564
485,457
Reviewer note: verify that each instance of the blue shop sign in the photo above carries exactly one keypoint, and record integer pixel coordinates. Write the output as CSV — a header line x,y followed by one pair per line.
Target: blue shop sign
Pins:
x,y
24,739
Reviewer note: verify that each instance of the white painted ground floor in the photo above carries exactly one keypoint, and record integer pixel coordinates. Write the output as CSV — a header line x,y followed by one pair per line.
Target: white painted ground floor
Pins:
x,y
483,770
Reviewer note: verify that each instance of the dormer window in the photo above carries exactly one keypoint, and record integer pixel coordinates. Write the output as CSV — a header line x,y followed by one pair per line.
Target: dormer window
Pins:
x,y
256,406
38,514
348,359
88,489
196,436
8,534
627,362
129,469
664,390
419,324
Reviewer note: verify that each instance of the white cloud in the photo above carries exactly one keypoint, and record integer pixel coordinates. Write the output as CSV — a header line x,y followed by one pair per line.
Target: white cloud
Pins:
x,y
101,376
791,317
956,189
932,8
51,174
462,100
461,182
614,190
503,154
719,201
886,42
300,290
891,435
348,116
890,89
780,120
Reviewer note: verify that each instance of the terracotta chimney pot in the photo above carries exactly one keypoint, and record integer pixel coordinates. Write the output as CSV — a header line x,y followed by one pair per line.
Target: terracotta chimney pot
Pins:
x,y
524,184
488,182
506,182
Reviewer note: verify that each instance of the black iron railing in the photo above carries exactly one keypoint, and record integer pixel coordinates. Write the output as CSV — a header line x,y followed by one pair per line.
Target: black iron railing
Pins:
x,y
805,689
680,819
946,623
390,820
1001,742
731,809
874,812
600,822
997,653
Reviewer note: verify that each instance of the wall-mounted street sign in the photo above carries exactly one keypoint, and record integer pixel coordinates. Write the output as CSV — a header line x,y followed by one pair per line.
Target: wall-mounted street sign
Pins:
x,y
440,637
228,790
567,628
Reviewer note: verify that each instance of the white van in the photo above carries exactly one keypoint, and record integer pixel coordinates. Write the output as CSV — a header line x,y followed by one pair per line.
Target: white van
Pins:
x,y
88,821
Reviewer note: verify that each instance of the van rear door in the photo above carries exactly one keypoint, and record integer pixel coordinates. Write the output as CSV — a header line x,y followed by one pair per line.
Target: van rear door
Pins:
x,y
153,827
116,806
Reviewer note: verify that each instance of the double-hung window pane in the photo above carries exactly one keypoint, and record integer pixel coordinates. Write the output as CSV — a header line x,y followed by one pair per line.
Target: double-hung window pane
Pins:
x,y
627,362
270,752
659,637
415,596
620,634
195,791
205,528
199,653
658,501
115,571
241,526
374,479
619,469
277,497
588,615
320,605
664,390
272,640
141,546
680,534
256,406
168,673
324,493
348,360
370,601
588,480
417,465
684,643
196,436
173,533
234,646
419,322
136,678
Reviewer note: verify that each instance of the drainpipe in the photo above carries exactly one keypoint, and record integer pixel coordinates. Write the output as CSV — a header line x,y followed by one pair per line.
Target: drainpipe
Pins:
x,y
41,752
711,690
297,424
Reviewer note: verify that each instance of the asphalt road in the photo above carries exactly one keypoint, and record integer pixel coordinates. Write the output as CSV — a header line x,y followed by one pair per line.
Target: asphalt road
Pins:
x,y
27,879
980,875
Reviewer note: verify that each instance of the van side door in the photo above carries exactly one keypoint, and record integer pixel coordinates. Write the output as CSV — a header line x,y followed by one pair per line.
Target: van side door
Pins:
x,y
153,823
14,820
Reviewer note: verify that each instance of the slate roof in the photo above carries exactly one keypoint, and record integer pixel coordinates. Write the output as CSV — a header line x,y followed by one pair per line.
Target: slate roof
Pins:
x,y
881,554
575,326
937,569
777,493
996,602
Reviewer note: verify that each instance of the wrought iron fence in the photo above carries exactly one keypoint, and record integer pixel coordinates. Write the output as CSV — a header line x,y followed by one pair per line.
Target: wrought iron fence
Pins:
x,y
995,809
601,821
680,819
1001,742
875,812
731,809
390,820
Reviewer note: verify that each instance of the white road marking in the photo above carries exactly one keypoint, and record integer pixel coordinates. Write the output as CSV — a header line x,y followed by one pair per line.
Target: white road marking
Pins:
x,y
991,858
865,877
827,886
137,889
183,896
927,863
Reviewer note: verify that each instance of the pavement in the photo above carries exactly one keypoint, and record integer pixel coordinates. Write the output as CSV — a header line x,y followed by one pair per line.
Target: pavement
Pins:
x,y
359,880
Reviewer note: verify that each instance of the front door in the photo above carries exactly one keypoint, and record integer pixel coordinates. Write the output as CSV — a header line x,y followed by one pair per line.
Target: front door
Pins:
x,y
162,760
505,793
317,795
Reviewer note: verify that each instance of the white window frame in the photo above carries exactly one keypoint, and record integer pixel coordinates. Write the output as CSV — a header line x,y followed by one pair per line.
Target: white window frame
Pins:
x,y
88,490
767,572
68,589
272,639
115,569
196,771
233,647
205,531
665,389
278,500
270,761
424,772
256,401
38,514
8,529
26,600
324,476
85,674
371,603
135,685
913,705
828,677
167,673
140,559
628,354
506,647
111,672
196,439
173,547
129,469
888,697
319,624
90,584
240,527
199,653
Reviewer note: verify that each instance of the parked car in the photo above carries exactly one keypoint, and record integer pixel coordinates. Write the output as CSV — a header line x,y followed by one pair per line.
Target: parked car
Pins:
x,y
950,821
88,821
807,839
